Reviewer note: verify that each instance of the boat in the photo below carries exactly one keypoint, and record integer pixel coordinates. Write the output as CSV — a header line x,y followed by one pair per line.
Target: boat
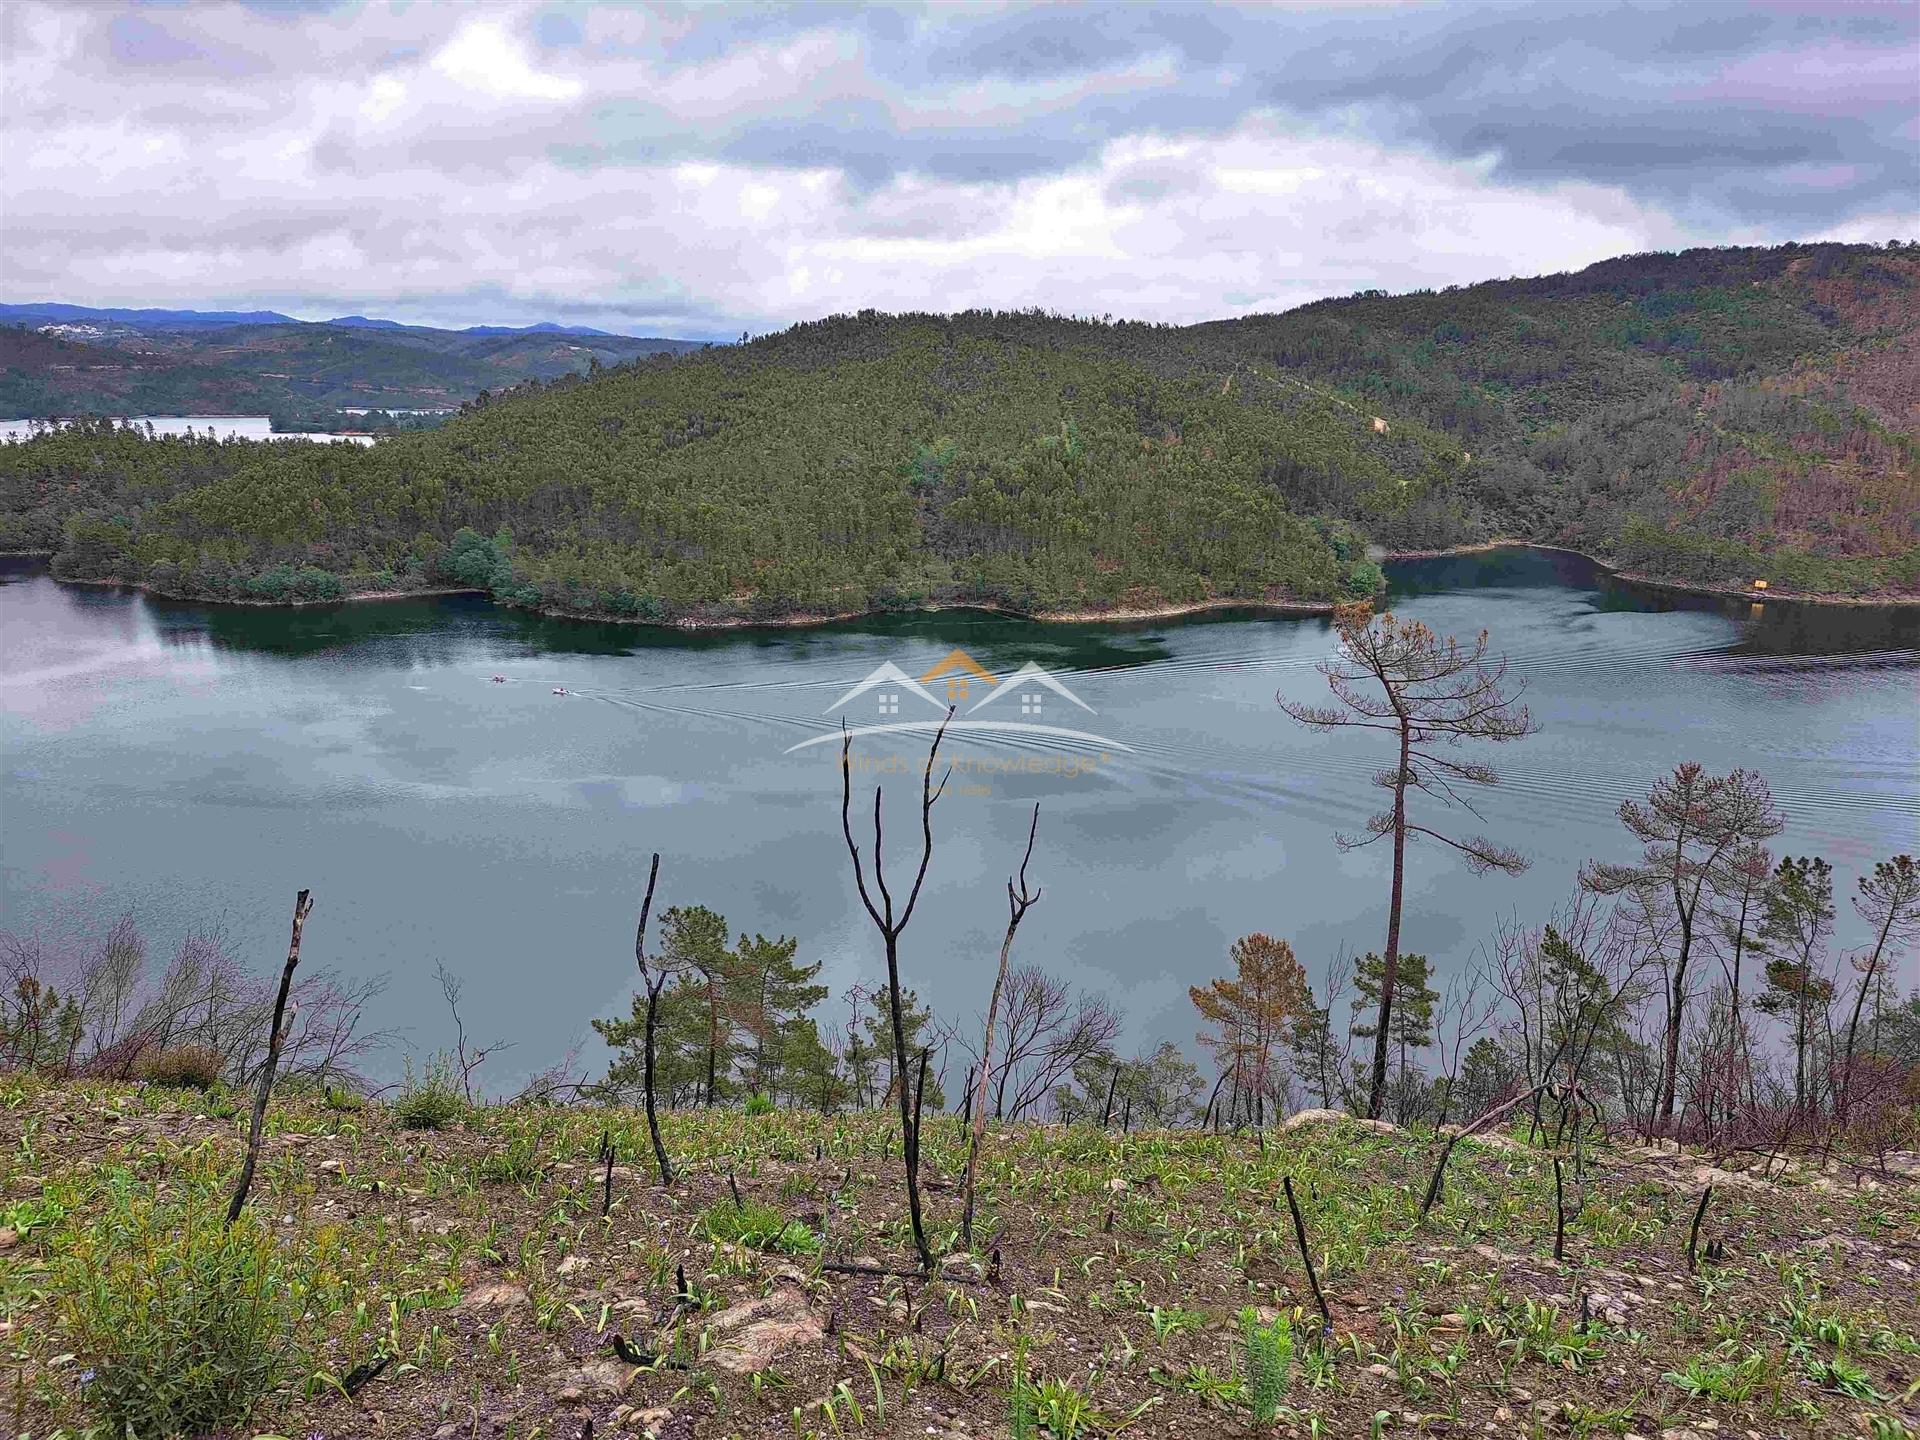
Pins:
x,y
499,679
559,689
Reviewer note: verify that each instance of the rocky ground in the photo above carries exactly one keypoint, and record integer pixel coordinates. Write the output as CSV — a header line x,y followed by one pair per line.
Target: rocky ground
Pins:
x,y
510,1279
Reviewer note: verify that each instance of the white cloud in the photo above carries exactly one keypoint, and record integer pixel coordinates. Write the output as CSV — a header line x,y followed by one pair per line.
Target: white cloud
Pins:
x,y
484,57
436,164
384,96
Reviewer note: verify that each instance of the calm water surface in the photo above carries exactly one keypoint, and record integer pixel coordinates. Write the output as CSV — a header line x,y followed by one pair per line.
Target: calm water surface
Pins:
x,y
192,762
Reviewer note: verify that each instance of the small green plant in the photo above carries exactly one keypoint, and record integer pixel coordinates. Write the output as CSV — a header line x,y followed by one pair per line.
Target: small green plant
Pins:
x,y
515,1163
431,1100
25,1216
1268,1353
184,1324
1846,1376
185,1067
759,1105
1062,1409
1173,1321
758,1226
1210,1386
1728,1380
347,1102
1022,1422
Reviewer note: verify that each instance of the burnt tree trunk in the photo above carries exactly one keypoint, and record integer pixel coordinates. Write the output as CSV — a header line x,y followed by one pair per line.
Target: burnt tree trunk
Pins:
x,y
276,1038
653,983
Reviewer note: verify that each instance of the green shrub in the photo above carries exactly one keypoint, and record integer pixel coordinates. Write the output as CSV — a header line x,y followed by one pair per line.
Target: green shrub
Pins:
x,y
759,1226
759,1105
517,1163
1366,579
190,1067
349,1102
430,1101
181,1324
1269,1362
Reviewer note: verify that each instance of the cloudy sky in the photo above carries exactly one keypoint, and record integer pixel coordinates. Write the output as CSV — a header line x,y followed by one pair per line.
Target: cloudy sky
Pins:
x,y
710,169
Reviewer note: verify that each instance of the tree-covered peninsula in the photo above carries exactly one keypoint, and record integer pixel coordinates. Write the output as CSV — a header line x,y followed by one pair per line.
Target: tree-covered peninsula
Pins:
x,y
1710,417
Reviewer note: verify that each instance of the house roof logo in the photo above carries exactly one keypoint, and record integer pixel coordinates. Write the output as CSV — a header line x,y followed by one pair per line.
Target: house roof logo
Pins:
x,y
1021,703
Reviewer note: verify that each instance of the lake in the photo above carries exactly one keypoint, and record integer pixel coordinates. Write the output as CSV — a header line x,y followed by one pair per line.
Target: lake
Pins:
x,y
191,762
226,427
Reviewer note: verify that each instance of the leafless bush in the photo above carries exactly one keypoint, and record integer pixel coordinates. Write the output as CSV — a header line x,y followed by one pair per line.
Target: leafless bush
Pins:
x,y
70,1006
1045,1030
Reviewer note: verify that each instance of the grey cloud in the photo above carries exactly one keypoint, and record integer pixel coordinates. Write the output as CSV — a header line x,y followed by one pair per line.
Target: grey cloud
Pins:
x,y
557,30
1607,93
140,42
1699,106
218,151
1597,96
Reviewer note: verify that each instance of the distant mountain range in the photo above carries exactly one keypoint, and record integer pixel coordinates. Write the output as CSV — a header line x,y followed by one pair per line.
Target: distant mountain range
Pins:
x,y
56,313
53,313
58,359
545,327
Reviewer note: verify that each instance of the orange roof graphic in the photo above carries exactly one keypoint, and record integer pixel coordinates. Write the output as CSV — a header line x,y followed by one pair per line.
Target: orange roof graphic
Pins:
x,y
961,661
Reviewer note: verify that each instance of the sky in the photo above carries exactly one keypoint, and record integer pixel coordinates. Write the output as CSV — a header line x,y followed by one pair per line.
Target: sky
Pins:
x,y
709,170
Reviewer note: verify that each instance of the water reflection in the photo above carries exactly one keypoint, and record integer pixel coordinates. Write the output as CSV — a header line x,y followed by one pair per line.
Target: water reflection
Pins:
x,y
194,760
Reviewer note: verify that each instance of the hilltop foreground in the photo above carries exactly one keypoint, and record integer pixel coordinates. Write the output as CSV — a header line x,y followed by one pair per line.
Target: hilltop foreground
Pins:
x,y
1708,418
1107,1285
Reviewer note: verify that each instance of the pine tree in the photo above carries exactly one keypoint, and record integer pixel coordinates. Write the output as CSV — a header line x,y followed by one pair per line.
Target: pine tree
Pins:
x,y
1486,1076
1799,917
694,941
1251,1014
1434,692
1889,901
680,1043
860,1058
1691,827
771,994
1314,1052
809,1071
916,1021
1411,1025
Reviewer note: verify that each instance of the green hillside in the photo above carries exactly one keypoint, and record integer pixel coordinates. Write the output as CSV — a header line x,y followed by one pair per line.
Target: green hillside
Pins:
x,y
1712,416
1708,416
45,375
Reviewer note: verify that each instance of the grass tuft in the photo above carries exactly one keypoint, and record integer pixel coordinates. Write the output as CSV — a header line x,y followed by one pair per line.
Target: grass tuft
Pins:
x,y
186,1067
430,1101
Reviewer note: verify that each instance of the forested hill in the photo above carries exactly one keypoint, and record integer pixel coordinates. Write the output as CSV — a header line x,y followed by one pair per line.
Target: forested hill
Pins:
x,y
1712,416
183,362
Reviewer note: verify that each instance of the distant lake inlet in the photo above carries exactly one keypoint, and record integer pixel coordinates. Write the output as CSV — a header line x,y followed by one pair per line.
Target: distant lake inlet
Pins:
x,y
223,427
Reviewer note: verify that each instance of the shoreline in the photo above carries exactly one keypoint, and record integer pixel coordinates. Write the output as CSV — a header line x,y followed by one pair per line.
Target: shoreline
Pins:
x,y
242,602
1038,617
1656,582
1304,608
1131,616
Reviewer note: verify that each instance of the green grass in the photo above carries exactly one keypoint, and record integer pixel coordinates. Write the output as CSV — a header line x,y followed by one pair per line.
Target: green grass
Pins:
x,y
376,1235
758,1226
431,1100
